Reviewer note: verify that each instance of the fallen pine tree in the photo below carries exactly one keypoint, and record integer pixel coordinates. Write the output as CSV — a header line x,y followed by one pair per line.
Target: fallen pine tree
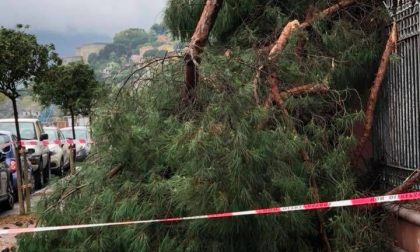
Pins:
x,y
262,117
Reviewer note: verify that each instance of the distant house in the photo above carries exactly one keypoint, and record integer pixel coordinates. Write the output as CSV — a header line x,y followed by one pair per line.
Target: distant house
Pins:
x,y
71,59
87,49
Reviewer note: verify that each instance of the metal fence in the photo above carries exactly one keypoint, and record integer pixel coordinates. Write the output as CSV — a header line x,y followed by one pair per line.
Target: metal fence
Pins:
x,y
396,134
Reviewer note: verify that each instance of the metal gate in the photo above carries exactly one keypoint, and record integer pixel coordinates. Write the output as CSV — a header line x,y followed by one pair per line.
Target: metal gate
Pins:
x,y
396,133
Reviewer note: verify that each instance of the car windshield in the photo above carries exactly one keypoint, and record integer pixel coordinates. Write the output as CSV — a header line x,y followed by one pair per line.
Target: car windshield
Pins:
x,y
80,133
27,129
4,139
52,134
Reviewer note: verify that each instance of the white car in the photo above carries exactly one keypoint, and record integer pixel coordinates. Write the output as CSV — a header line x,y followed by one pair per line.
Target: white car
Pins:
x,y
83,140
32,134
59,150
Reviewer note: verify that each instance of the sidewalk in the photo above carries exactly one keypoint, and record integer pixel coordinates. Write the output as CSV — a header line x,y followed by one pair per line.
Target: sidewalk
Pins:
x,y
11,219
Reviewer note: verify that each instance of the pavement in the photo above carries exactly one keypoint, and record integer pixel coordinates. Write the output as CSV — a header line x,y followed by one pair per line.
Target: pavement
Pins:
x,y
11,219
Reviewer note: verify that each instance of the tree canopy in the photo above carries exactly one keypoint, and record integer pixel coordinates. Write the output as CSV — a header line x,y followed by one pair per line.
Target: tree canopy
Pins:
x,y
71,87
22,60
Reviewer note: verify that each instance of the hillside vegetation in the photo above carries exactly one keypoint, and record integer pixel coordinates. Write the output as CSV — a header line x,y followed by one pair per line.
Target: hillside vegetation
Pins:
x,y
130,47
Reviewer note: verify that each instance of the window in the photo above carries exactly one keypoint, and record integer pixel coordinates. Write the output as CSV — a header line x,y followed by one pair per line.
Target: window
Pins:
x,y
80,133
52,134
27,129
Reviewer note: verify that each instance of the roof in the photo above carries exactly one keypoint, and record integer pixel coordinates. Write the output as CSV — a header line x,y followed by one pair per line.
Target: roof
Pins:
x,y
75,127
20,120
4,132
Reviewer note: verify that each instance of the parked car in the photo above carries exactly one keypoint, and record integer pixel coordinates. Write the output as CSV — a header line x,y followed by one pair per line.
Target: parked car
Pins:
x,y
59,150
83,141
32,135
8,147
7,199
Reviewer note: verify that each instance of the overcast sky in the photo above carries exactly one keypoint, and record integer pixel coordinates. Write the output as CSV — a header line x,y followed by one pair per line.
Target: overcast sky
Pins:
x,y
81,16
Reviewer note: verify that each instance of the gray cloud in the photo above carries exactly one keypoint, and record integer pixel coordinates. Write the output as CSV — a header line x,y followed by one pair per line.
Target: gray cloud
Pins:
x,y
81,16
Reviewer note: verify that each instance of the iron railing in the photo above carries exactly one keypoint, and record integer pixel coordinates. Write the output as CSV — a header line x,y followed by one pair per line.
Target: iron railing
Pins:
x,y
396,134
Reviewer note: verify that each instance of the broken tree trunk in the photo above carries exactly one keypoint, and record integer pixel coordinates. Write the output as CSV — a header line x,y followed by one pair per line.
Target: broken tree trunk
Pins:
x,y
197,43
292,26
278,46
328,11
281,42
373,97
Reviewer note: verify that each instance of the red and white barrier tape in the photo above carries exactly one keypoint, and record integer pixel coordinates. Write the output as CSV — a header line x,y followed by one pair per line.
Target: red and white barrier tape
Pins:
x,y
313,206
47,142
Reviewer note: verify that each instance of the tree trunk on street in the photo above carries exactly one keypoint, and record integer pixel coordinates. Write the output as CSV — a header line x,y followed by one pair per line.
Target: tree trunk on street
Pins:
x,y
18,163
72,123
73,145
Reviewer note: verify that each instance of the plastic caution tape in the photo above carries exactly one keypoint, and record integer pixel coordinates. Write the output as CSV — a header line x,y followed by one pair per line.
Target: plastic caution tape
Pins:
x,y
47,142
274,210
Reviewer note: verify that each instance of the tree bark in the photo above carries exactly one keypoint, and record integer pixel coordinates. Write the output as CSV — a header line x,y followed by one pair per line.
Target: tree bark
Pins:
x,y
26,181
275,94
18,163
306,89
16,115
197,43
373,97
72,123
73,145
114,171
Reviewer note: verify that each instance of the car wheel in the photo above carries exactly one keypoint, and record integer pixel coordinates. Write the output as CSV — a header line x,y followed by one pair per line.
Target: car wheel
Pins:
x,y
10,203
47,172
61,168
39,178
32,183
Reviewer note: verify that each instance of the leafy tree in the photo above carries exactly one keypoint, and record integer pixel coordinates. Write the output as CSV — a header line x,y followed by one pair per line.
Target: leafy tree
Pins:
x,y
154,53
22,61
132,38
158,29
72,87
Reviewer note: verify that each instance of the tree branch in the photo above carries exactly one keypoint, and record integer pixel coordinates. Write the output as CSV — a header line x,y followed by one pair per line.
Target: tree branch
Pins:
x,y
278,47
114,171
292,26
373,97
281,42
305,89
327,12
63,197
